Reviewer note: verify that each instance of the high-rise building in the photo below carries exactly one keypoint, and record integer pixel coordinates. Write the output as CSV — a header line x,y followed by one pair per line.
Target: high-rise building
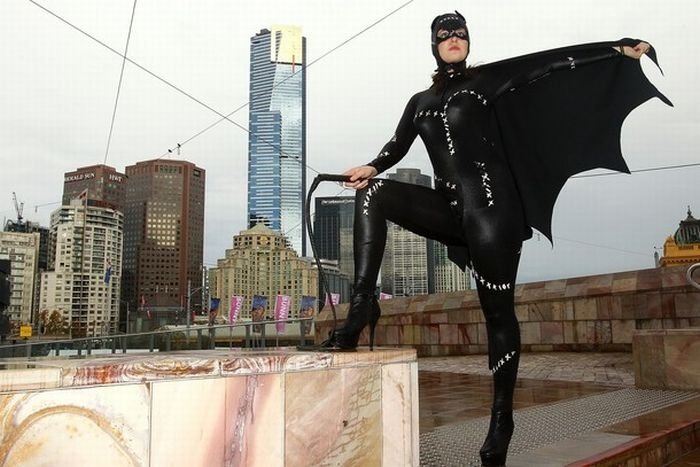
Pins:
x,y
163,234
85,264
31,227
262,263
22,251
333,223
447,276
414,265
102,182
406,265
337,281
277,139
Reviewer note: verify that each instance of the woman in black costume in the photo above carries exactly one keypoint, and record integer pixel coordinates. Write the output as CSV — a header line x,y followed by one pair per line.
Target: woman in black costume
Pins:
x,y
479,150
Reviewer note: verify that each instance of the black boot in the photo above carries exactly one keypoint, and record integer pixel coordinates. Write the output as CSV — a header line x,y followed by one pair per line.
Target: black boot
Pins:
x,y
364,310
495,448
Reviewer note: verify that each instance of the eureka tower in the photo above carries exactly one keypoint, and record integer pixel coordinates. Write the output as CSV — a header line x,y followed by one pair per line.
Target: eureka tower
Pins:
x,y
277,138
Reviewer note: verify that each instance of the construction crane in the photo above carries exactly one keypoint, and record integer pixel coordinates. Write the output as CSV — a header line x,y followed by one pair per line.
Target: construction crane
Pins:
x,y
19,208
37,206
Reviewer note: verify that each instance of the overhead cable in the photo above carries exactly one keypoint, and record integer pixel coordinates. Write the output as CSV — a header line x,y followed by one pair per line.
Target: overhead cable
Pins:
x,y
119,85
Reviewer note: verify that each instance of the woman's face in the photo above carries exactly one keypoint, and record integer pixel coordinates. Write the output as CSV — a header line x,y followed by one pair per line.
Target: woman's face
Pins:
x,y
455,48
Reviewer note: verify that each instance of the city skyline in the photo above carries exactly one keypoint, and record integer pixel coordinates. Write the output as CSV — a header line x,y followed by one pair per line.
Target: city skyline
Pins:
x,y
61,87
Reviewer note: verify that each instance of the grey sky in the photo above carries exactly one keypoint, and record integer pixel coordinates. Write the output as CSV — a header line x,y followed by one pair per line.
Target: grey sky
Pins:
x,y
58,91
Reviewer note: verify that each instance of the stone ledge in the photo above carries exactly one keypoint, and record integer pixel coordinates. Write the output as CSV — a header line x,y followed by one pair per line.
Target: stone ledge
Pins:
x,y
594,313
667,358
277,408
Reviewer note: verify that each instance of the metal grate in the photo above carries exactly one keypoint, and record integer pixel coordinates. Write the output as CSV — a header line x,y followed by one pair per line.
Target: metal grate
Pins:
x,y
458,444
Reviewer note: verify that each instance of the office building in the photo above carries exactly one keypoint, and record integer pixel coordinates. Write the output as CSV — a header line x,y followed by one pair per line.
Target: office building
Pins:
x,y
102,182
163,235
406,266
333,224
414,265
447,276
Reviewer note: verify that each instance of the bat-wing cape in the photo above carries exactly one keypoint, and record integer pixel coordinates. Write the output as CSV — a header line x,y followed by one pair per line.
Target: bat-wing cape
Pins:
x,y
562,123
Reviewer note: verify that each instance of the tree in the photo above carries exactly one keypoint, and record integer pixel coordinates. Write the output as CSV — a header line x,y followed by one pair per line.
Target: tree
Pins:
x,y
56,323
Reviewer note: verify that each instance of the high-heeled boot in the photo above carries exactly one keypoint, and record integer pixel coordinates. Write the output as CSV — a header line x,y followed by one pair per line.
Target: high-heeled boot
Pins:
x,y
495,448
364,310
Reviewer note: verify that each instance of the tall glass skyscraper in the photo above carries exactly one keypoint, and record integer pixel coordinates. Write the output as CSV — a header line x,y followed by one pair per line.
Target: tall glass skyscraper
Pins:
x,y
277,139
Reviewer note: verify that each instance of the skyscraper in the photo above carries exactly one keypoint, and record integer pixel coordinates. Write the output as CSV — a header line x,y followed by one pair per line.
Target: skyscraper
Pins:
x,y
102,182
163,233
447,276
407,262
414,265
333,223
277,139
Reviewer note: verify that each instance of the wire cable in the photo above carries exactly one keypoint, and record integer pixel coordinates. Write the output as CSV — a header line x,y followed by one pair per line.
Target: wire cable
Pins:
x,y
595,245
303,69
226,117
119,85
648,169
142,68
159,78
200,102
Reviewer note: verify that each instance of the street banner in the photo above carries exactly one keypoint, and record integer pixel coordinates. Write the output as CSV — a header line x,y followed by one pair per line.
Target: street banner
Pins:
x,y
234,309
308,308
258,312
214,304
282,305
335,297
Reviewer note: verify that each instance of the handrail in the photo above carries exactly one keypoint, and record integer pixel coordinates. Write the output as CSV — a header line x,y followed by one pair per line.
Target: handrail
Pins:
x,y
689,275
87,343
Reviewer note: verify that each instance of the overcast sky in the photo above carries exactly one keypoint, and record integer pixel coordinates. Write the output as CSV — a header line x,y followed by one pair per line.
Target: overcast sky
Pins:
x,y
58,91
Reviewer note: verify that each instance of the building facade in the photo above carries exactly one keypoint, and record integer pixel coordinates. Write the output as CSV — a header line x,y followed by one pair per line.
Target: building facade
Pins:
x,y
277,133
447,276
333,224
338,282
22,250
85,264
31,227
684,246
102,182
262,263
163,235
407,264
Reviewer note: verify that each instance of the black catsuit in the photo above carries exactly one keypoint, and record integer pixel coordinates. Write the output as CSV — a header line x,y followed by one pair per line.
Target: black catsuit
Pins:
x,y
475,207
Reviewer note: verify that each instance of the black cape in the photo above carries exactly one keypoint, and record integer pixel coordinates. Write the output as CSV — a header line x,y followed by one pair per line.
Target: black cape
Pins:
x,y
562,124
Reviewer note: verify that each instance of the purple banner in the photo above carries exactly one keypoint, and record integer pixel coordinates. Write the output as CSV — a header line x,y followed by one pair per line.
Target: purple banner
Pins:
x,y
234,309
282,311
308,308
335,297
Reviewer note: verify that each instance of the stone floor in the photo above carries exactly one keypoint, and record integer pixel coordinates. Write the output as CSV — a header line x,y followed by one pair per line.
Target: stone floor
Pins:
x,y
603,368
588,388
